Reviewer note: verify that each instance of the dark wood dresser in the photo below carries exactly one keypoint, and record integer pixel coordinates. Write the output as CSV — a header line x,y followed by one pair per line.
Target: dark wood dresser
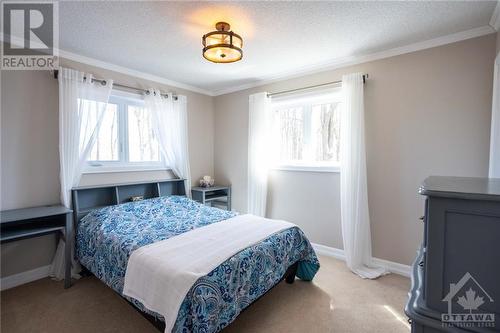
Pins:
x,y
456,275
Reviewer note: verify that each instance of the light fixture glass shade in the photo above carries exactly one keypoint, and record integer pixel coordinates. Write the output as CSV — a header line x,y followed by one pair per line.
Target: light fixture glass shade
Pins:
x,y
222,46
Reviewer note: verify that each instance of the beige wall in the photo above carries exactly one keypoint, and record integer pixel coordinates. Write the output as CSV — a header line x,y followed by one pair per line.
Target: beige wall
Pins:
x,y
427,113
30,154
309,199
498,42
29,159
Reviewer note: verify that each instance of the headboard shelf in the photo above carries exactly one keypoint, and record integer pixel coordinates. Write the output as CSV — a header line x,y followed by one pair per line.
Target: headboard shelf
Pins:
x,y
86,187
88,198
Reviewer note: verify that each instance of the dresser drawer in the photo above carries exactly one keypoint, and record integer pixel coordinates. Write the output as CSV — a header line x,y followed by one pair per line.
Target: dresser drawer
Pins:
x,y
463,236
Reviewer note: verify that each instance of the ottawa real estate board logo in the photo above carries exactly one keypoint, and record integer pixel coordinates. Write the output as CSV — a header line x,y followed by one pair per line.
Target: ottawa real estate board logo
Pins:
x,y
30,35
465,302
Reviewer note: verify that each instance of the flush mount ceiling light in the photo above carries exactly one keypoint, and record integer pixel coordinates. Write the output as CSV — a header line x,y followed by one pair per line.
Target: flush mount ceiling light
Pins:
x,y
223,45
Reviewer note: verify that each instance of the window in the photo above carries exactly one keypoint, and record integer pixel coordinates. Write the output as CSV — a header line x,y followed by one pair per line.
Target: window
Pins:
x,y
142,144
126,140
306,131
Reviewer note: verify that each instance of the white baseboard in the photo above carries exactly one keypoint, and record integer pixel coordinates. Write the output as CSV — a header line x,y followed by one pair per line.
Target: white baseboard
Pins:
x,y
391,266
329,251
15,280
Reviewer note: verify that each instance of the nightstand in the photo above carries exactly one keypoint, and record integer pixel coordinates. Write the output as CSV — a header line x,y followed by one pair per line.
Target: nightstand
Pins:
x,y
32,222
215,196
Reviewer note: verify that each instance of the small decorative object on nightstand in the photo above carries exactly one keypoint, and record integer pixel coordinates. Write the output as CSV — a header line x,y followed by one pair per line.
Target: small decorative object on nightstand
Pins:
x,y
207,181
215,196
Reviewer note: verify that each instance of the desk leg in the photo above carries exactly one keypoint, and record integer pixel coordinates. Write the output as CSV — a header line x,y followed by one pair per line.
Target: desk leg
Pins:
x,y
67,251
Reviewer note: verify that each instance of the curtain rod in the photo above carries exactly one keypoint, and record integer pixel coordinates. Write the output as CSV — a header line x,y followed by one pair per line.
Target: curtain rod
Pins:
x,y
365,76
103,82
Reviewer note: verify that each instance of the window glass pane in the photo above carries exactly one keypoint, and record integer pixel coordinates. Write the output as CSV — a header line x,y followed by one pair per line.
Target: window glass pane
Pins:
x,y
325,123
106,145
307,134
291,134
142,143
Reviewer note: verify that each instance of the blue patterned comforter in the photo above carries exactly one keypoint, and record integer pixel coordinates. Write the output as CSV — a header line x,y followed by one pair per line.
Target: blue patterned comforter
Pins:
x,y
106,237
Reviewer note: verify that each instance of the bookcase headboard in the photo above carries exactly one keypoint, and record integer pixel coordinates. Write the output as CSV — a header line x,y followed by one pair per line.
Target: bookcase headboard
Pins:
x,y
88,198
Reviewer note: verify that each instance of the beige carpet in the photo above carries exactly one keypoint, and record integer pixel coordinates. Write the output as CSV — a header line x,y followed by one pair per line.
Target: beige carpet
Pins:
x,y
337,301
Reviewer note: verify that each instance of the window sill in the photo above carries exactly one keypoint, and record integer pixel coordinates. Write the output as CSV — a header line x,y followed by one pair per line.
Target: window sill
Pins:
x,y
307,168
94,170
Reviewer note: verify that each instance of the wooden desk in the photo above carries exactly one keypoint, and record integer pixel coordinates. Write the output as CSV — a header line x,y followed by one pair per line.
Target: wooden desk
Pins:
x,y
32,222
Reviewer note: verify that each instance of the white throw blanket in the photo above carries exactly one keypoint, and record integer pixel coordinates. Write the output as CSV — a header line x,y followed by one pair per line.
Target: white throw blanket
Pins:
x,y
159,275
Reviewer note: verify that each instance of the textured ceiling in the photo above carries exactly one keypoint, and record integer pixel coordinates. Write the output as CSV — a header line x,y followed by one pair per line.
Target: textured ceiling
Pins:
x,y
164,38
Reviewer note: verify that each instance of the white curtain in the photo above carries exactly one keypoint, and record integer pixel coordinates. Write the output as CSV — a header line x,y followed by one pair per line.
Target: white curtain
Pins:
x,y
258,152
170,125
81,110
353,184
495,124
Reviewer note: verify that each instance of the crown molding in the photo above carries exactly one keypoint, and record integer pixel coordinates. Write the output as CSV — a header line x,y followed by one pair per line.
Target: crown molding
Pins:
x,y
359,59
495,18
112,67
132,72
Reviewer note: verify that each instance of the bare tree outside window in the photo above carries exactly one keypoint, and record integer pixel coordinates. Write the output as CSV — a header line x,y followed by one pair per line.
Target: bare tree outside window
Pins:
x,y
106,145
309,134
291,123
113,139
143,145
327,132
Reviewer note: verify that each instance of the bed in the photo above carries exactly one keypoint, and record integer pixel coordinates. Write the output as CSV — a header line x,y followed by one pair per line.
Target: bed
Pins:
x,y
109,228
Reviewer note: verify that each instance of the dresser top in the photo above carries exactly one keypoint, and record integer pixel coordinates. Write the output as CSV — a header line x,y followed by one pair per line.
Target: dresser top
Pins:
x,y
32,212
462,188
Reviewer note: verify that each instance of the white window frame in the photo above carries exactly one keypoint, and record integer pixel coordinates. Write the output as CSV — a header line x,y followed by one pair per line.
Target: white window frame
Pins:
x,y
306,101
122,100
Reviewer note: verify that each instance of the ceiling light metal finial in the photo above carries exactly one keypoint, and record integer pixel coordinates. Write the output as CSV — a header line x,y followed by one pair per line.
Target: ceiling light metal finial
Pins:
x,y
222,26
